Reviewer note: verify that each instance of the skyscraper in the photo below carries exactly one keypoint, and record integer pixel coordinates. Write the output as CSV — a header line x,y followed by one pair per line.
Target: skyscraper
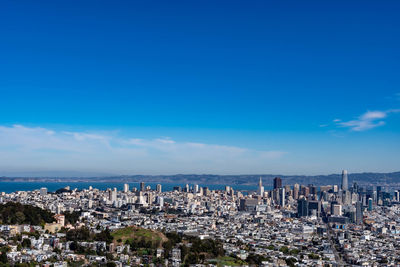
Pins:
x,y
277,182
369,204
359,213
336,209
260,190
112,195
159,188
345,182
296,188
126,188
142,186
282,197
302,207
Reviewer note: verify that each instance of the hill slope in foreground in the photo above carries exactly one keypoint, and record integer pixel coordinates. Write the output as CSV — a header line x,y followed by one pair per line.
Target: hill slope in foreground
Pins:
x,y
138,235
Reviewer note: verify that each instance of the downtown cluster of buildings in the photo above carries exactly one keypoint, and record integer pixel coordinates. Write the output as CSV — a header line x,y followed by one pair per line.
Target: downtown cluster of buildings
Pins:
x,y
289,225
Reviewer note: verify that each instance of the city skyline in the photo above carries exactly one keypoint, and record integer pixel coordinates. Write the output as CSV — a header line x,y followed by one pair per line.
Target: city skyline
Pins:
x,y
220,88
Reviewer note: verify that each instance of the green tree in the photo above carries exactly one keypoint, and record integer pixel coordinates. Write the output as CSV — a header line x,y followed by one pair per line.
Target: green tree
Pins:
x,y
26,243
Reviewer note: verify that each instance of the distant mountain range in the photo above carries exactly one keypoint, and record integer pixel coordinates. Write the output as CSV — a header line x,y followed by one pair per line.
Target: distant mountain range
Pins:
x,y
361,178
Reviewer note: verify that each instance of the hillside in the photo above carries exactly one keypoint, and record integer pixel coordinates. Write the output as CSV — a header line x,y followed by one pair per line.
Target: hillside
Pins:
x,y
16,213
139,237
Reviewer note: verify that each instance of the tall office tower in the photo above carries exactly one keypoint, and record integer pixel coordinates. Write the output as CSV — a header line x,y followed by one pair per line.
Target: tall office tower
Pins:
x,y
187,188
378,193
302,207
159,188
227,188
43,191
114,195
345,182
313,189
150,198
346,197
369,204
126,188
109,192
196,188
288,190
305,191
364,200
260,190
355,187
359,213
314,208
296,188
142,186
282,197
277,182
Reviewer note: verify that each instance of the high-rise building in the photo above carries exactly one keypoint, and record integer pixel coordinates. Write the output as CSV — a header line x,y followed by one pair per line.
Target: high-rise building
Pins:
x,y
359,213
277,182
260,190
142,186
296,188
314,207
302,207
336,209
369,204
159,188
313,189
150,198
281,196
126,188
378,193
114,195
355,187
196,188
305,191
345,182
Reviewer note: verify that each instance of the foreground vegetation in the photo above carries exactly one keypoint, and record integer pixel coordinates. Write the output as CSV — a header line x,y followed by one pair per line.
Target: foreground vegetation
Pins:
x,y
16,213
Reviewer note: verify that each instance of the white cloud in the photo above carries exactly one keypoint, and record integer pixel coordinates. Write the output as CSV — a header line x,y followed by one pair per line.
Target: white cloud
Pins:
x,y
42,148
368,120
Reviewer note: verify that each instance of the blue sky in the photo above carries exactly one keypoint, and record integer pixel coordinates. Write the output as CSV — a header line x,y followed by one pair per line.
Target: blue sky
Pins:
x,y
301,87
